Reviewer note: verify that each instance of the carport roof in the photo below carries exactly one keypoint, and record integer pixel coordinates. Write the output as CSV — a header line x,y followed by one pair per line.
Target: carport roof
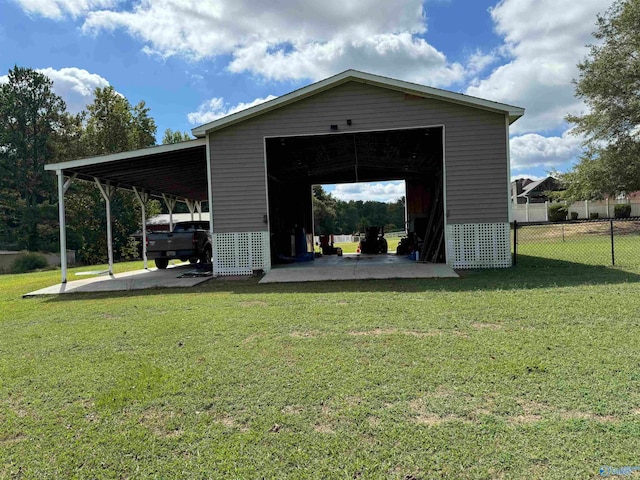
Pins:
x,y
178,169
356,76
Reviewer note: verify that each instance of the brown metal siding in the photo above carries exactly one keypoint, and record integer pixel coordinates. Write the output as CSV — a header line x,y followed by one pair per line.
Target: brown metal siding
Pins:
x,y
475,150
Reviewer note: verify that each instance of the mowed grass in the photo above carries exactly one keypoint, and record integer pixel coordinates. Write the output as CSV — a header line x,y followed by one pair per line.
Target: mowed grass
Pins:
x,y
531,372
584,243
352,247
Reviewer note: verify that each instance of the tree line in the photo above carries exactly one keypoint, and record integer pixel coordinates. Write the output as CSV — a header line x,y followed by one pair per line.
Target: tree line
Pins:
x,y
335,216
36,129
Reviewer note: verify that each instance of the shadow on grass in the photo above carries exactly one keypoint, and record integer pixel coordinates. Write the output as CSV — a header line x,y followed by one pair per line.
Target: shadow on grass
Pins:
x,y
530,273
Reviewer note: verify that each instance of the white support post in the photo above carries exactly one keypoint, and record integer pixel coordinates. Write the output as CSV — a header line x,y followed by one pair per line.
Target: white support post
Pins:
x,y
170,202
191,206
526,211
546,211
107,192
143,198
199,208
62,188
608,214
586,209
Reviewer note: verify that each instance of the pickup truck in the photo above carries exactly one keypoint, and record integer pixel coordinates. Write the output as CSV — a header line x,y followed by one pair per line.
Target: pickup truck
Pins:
x,y
188,241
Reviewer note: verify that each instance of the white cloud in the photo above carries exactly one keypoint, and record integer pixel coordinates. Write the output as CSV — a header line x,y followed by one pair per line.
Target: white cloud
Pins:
x,y
216,108
544,40
533,150
381,192
58,9
398,55
300,40
530,176
479,61
74,85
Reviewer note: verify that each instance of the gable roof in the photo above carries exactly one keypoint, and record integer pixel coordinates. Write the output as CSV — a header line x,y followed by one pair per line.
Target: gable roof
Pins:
x,y
546,183
362,77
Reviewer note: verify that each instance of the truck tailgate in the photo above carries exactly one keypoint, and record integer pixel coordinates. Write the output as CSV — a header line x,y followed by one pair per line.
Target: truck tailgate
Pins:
x,y
170,241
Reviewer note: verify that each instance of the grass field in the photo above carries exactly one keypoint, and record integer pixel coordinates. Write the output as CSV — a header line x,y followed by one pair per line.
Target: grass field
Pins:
x,y
584,243
352,247
531,372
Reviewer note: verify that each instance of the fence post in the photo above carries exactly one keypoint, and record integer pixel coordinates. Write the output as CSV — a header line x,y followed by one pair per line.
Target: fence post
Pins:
x,y
613,258
546,211
586,209
515,243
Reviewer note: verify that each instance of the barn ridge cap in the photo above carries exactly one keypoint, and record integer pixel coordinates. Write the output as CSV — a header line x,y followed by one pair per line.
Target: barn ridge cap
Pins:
x,y
362,77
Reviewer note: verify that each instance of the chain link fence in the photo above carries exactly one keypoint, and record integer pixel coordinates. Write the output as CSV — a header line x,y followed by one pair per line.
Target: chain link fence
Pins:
x,y
589,242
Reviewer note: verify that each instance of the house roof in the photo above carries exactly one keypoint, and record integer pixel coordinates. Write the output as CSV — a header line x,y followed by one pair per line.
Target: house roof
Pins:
x,y
532,186
362,77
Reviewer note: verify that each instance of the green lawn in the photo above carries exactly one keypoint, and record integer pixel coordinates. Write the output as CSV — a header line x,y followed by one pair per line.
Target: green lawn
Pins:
x,y
531,372
584,243
352,247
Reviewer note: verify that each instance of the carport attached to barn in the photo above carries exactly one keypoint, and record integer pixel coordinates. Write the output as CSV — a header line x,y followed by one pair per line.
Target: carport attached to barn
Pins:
x,y
256,167
176,172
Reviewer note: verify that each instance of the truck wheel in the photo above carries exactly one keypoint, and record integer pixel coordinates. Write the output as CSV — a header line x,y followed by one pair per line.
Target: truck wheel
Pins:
x,y
206,258
193,260
162,263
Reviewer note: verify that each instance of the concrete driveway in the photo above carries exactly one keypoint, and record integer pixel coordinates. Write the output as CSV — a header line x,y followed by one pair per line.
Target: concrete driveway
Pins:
x,y
175,276
356,266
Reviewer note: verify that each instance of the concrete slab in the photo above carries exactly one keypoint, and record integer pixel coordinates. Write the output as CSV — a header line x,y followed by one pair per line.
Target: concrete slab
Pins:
x,y
134,280
356,267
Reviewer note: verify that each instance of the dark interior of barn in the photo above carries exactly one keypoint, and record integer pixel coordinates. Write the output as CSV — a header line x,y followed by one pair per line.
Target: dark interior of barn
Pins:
x,y
294,164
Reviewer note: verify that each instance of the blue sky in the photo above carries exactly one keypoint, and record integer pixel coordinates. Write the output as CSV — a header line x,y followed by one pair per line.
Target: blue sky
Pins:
x,y
194,61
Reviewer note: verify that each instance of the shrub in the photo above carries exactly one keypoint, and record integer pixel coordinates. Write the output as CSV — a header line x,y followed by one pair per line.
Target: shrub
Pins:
x,y
594,215
574,215
557,213
622,211
132,250
29,262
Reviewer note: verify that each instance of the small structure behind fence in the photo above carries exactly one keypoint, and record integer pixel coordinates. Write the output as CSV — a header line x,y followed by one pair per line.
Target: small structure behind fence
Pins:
x,y
585,210
593,242
356,237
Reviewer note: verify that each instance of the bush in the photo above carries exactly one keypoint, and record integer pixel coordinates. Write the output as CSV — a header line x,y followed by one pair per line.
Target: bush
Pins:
x,y
557,213
29,262
622,211
574,215
594,215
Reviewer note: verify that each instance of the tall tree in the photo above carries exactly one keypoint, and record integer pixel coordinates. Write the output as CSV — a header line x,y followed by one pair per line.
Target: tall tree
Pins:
x,y
109,122
175,137
112,126
31,116
324,211
609,82
143,127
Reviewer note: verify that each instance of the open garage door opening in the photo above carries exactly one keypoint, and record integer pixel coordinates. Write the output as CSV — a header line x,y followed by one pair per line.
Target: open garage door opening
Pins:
x,y
346,212
296,163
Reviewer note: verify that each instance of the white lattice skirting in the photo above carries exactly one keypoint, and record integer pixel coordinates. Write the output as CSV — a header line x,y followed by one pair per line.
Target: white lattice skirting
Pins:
x,y
479,245
241,253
